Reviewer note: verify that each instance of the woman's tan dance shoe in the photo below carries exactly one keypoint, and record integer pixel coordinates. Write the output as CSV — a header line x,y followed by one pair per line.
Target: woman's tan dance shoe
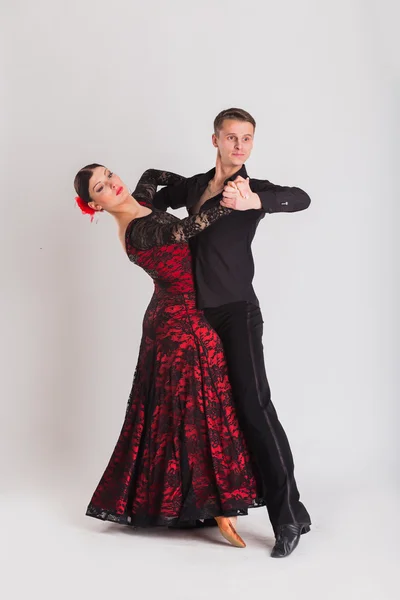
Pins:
x,y
229,532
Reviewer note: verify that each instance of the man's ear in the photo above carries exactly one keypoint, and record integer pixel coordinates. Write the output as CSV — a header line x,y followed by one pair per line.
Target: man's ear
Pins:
x,y
214,140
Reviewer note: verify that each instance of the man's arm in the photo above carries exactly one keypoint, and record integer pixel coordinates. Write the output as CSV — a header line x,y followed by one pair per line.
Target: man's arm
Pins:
x,y
277,198
272,198
171,196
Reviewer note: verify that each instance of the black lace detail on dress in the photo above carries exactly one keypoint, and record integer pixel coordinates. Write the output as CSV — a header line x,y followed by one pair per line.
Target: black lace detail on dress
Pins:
x,y
181,454
147,184
160,228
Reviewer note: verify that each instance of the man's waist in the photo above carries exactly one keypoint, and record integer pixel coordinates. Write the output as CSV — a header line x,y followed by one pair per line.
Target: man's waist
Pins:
x,y
226,264
212,298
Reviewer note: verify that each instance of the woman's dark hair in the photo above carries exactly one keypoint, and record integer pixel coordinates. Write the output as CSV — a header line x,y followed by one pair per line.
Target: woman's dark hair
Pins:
x,y
81,181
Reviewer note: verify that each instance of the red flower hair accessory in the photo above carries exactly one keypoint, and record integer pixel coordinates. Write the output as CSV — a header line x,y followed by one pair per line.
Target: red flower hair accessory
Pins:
x,y
85,208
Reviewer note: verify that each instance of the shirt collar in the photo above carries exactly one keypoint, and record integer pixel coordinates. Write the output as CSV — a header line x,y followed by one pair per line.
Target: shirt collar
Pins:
x,y
242,173
201,182
210,174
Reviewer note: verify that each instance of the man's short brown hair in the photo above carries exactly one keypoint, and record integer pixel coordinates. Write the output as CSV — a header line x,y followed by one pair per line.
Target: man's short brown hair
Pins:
x,y
236,114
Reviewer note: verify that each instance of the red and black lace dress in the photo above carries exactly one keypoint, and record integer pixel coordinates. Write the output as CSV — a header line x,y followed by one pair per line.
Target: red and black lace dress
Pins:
x,y
180,455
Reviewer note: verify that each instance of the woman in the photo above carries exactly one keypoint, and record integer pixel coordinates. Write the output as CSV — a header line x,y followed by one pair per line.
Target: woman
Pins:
x,y
180,456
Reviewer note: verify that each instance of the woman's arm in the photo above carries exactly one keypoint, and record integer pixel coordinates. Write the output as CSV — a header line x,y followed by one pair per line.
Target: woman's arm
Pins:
x,y
163,229
151,179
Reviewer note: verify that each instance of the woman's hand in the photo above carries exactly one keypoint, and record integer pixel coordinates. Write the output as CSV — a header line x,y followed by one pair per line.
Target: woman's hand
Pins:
x,y
237,195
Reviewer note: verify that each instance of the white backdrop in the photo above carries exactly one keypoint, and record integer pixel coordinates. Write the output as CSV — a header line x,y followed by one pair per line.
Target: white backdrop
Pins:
x,y
135,85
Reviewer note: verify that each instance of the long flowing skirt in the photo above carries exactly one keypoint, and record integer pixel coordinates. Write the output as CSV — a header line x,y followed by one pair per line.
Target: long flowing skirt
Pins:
x,y
181,455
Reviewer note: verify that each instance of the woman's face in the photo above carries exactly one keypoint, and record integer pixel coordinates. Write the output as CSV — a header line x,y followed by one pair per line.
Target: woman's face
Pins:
x,y
106,190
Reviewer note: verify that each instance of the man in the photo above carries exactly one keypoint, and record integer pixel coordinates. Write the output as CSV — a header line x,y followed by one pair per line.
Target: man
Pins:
x,y
224,270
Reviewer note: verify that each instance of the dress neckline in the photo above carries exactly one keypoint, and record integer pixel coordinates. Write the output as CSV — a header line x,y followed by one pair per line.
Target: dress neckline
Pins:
x,y
133,221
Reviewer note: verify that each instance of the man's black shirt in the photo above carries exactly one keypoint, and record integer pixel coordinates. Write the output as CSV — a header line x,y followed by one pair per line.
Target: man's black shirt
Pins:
x,y
222,258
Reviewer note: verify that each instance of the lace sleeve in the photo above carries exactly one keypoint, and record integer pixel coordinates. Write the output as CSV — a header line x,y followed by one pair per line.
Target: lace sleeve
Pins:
x,y
147,184
159,229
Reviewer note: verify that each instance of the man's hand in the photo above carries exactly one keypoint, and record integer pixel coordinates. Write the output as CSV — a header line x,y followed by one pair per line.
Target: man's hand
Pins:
x,y
238,195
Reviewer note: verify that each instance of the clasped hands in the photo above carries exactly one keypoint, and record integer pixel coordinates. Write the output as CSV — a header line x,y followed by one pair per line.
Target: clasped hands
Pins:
x,y
238,195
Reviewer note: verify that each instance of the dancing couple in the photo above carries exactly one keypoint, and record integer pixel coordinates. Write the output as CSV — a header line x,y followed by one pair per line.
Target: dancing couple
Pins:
x,y
201,442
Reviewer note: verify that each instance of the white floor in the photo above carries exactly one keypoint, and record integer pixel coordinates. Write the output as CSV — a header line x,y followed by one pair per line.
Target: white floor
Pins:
x,y
52,551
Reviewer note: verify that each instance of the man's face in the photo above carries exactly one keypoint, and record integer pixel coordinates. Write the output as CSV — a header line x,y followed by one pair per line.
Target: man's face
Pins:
x,y
234,142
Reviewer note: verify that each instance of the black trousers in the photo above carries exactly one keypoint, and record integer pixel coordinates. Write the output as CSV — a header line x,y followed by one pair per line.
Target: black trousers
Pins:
x,y
240,327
